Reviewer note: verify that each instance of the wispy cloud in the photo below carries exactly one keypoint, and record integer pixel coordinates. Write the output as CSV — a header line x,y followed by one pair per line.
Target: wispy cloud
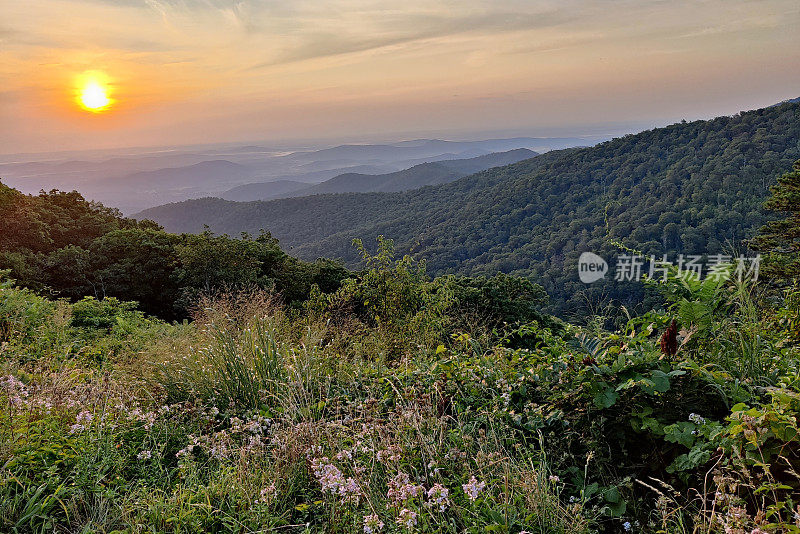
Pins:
x,y
324,62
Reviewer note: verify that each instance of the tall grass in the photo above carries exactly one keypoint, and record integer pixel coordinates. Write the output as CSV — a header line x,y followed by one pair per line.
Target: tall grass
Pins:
x,y
256,418
237,357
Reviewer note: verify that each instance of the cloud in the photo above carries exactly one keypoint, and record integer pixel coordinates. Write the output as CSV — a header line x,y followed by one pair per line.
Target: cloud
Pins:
x,y
260,64
316,36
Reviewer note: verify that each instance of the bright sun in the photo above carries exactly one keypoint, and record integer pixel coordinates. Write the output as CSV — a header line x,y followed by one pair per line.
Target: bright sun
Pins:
x,y
93,92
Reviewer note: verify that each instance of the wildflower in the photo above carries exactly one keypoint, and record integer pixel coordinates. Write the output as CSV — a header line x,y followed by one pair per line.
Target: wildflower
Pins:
x,y
268,494
12,383
407,518
329,476
219,452
15,389
438,495
84,417
432,466
402,489
144,455
626,525
81,420
372,524
42,403
696,419
554,479
236,425
473,488
391,454
737,512
254,427
186,451
313,452
350,490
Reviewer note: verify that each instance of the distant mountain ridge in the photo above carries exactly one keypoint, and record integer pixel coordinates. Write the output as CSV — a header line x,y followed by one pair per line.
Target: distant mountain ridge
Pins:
x,y
139,179
262,190
199,175
429,173
691,188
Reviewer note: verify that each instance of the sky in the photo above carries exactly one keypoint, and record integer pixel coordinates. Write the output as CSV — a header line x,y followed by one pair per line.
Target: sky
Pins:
x,y
205,71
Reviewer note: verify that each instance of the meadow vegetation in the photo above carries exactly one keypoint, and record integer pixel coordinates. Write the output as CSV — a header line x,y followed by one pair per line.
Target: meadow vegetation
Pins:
x,y
397,403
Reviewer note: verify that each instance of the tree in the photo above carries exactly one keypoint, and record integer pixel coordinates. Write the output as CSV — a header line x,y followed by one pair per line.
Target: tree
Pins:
x,y
780,239
138,265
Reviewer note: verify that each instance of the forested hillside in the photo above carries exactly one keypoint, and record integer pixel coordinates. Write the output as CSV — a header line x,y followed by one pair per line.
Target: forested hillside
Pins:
x,y
429,173
693,188
63,245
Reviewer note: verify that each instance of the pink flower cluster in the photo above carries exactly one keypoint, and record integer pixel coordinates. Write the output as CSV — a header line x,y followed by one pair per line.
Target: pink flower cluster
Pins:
x,y
268,494
81,421
333,480
401,489
372,524
473,488
438,497
407,519
16,390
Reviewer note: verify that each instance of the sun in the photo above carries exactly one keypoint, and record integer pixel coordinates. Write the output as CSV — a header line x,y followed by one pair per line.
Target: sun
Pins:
x,y
93,92
94,97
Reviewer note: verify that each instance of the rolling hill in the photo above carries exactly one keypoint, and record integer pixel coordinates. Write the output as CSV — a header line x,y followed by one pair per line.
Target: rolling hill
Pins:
x,y
692,188
137,179
428,173
263,191
200,175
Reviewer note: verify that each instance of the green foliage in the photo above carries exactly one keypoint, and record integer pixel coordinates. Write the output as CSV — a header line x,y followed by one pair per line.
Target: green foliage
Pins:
x,y
242,366
495,301
397,297
257,416
101,314
60,242
21,312
781,238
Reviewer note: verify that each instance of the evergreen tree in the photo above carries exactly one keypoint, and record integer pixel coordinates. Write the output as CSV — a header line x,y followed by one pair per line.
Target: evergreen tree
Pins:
x,y
780,239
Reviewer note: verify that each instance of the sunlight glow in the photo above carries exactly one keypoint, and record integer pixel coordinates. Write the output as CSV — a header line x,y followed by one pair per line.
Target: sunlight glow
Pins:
x,y
93,92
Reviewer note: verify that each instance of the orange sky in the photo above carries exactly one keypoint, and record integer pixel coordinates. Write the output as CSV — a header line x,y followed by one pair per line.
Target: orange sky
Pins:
x,y
193,71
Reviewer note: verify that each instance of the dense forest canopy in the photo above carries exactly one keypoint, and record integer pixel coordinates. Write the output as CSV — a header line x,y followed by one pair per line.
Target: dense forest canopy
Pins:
x,y
692,188
61,243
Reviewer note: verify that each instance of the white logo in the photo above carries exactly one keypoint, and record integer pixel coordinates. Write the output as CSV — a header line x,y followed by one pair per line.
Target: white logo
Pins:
x,y
591,267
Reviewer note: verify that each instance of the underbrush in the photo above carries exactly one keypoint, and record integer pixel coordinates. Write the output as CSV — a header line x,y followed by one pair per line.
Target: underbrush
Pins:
x,y
379,408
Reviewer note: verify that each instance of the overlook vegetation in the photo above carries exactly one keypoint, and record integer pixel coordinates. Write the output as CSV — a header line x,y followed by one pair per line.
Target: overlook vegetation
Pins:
x,y
691,188
397,403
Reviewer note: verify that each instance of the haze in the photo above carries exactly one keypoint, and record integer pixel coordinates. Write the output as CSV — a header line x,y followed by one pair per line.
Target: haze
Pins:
x,y
192,71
